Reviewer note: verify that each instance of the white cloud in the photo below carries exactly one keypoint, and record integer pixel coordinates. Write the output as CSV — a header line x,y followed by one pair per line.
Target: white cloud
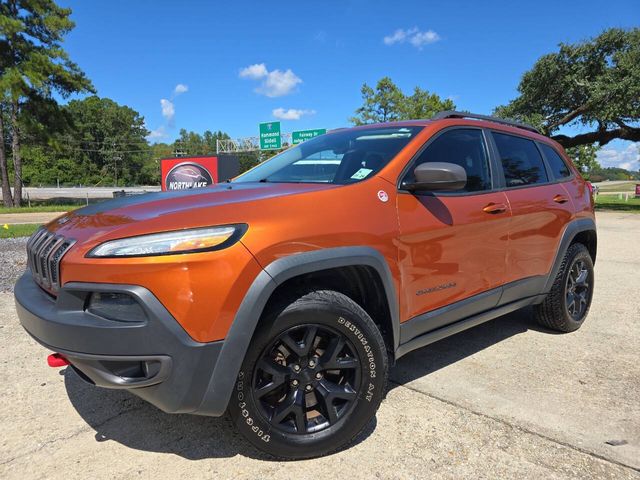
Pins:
x,y
180,88
254,72
274,83
157,134
627,158
413,35
398,36
424,38
291,113
168,110
279,83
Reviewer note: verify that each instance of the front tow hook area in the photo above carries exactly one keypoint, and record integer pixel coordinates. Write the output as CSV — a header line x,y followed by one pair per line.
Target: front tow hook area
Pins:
x,y
56,360
120,371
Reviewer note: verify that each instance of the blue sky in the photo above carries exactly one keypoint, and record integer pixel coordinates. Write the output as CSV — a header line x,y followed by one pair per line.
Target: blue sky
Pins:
x,y
230,65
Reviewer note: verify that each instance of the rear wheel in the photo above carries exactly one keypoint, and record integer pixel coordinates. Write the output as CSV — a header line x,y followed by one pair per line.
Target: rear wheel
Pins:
x,y
568,302
313,377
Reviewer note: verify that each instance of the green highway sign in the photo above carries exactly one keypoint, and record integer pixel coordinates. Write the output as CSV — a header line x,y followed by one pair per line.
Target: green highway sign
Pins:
x,y
270,136
302,135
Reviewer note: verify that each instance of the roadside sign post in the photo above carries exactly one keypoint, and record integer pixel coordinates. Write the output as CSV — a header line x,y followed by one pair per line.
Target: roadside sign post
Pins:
x,y
270,136
302,135
637,190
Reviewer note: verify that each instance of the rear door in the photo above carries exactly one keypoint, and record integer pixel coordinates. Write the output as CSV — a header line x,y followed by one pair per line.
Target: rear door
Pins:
x,y
452,246
540,209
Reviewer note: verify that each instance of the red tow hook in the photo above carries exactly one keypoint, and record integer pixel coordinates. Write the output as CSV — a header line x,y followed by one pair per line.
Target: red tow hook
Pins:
x,y
56,360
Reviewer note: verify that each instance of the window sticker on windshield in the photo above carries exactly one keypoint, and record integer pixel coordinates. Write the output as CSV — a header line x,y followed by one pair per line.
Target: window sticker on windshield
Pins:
x,y
362,173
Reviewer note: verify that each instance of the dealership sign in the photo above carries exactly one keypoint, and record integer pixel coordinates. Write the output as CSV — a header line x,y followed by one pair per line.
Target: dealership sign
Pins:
x,y
180,173
302,135
270,136
187,175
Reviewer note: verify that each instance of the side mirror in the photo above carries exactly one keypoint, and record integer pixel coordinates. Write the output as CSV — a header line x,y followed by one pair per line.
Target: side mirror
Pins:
x,y
438,176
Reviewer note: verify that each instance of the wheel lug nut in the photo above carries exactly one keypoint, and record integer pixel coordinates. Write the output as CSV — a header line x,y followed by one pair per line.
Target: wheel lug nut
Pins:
x,y
294,383
308,388
296,368
312,363
318,375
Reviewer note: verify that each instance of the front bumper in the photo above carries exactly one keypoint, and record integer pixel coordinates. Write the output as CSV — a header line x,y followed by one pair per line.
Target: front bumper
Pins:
x,y
154,359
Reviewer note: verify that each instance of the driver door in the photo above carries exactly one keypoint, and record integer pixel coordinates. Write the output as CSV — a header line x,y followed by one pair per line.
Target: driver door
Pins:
x,y
452,245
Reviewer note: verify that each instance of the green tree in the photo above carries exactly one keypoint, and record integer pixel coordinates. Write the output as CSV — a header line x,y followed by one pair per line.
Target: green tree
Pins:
x,y
33,66
584,157
422,104
193,143
106,140
593,84
387,103
379,105
150,173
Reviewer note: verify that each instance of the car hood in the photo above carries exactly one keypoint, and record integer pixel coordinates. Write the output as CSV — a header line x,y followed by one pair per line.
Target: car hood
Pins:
x,y
176,210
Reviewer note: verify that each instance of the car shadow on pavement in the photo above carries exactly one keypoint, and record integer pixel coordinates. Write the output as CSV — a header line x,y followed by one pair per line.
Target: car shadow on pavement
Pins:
x,y
432,358
119,416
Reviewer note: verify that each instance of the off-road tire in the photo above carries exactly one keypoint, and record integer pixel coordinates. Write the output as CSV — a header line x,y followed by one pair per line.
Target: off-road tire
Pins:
x,y
553,312
335,316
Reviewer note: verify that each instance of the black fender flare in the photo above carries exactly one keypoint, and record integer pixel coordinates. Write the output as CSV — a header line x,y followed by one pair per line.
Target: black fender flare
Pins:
x,y
236,343
571,230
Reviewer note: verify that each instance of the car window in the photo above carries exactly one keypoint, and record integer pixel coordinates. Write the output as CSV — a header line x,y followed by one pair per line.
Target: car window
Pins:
x,y
341,157
319,167
464,147
521,160
556,163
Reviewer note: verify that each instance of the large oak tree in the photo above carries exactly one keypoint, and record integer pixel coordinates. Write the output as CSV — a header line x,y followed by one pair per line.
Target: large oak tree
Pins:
x,y
594,85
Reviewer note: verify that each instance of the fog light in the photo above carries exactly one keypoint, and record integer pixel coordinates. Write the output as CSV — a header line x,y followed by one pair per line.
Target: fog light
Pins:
x,y
120,307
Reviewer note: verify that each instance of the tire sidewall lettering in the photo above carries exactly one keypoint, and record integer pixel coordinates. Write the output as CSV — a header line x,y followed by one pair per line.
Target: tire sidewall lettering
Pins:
x,y
370,358
244,411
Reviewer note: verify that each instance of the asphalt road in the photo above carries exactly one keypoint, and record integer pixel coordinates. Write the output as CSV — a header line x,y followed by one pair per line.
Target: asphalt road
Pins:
x,y
29,217
45,193
503,400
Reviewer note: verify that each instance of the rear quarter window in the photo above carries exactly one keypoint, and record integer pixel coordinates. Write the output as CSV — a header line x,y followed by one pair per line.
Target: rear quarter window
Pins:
x,y
558,166
521,160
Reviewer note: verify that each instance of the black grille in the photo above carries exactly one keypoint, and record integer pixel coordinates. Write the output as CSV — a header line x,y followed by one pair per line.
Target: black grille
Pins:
x,y
44,252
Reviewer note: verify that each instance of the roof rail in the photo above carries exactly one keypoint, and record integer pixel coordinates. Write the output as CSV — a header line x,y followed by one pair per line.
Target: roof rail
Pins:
x,y
454,114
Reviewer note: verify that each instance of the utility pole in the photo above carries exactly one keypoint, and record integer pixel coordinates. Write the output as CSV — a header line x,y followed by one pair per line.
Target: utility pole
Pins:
x,y
116,157
115,168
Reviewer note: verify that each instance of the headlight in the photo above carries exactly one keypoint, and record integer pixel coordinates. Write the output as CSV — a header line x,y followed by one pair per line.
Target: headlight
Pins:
x,y
169,243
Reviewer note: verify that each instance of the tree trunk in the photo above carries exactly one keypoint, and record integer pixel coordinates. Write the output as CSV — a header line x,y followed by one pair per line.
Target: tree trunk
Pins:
x,y
17,161
7,199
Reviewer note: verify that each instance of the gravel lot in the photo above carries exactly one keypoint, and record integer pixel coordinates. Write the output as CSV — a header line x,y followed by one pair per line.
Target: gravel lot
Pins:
x,y
503,400
13,261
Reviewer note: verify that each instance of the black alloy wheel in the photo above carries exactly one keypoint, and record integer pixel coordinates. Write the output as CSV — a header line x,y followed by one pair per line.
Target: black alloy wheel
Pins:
x,y
577,289
307,379
313,376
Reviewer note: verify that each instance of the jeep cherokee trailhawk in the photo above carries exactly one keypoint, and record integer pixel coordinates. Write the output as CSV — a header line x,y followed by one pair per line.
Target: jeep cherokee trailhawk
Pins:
x,y
283,295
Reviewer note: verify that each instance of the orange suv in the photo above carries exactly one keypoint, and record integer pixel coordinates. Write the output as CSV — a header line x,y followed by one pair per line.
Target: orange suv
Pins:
x,y
284,295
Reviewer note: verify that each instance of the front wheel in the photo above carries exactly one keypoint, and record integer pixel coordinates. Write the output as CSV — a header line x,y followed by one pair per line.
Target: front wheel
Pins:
x,y
313,377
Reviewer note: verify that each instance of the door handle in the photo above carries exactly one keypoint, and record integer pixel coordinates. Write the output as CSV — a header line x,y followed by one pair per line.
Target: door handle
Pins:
x,y
560,199
494,208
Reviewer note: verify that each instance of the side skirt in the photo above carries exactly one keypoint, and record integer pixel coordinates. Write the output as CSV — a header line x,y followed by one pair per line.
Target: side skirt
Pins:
x,y
464,324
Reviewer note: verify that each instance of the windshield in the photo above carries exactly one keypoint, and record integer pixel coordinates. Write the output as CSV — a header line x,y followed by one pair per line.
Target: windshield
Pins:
x,y
341,157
